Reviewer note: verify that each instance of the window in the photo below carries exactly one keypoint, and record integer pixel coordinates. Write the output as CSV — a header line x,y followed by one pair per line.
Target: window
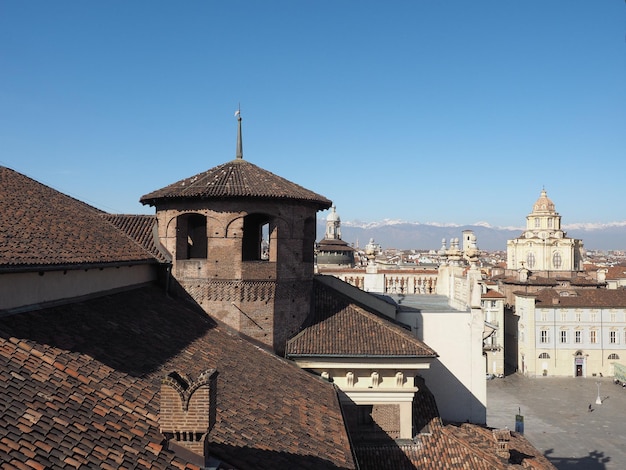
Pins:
x,y
563,316
254,247
613,356
530,260
191,236
578,316
550,223
563,336
613,337
537,223
544,315
593,336
594,317
544,356
577,337
557,261
545,336
613,316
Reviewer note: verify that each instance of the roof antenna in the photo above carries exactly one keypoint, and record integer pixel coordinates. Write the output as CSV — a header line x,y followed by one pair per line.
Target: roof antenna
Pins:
x,y
239,155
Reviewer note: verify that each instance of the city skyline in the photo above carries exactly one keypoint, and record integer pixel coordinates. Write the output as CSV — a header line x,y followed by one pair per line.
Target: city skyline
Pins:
x,y
445,113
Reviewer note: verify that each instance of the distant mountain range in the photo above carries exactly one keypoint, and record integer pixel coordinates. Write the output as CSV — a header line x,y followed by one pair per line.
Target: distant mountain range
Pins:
x,y
414,235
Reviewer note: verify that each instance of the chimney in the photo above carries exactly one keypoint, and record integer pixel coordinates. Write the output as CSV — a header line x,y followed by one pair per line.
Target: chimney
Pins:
x,y
188,412
502,436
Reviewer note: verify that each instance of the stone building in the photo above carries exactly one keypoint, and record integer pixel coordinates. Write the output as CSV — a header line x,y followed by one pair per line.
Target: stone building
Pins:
x,y
213,225
571,332
544,247
332,251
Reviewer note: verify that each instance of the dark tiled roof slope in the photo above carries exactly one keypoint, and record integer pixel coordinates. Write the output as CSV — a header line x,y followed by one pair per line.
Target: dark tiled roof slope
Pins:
x,y
237,178
42,227
615,298
140,228
79,385
341,328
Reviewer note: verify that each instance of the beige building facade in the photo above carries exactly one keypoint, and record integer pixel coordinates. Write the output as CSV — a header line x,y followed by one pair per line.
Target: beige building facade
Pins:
x,y
571,332
543,246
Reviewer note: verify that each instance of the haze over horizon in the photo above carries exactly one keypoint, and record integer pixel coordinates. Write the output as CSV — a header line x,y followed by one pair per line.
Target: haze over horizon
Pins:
x,y
440,112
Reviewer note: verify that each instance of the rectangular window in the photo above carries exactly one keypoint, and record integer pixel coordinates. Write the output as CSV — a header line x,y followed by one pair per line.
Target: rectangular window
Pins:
x,y
613,337
577,316
545,338
593,336
594,317
613,317
578,337
563,336
544,316
563,316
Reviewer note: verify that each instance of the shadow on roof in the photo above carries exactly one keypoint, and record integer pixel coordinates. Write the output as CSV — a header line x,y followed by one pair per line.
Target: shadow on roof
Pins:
x,y
135,332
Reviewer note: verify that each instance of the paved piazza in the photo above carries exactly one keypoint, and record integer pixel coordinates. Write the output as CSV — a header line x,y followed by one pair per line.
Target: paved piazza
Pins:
x,y
557,419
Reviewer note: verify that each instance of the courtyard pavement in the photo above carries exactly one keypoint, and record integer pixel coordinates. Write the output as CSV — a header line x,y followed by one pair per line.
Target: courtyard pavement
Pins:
x,y
557,420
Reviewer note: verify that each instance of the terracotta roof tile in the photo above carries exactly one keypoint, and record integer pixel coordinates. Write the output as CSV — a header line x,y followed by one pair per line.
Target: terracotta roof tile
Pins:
x,y
43,227
341,328
605,298
271,414
141,229
237,178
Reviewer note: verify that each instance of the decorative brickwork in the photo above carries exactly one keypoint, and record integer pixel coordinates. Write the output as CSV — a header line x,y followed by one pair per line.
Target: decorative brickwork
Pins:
x,y
187,411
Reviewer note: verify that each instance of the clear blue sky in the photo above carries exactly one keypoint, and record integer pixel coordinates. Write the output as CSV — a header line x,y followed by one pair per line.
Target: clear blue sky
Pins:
x,y
422,110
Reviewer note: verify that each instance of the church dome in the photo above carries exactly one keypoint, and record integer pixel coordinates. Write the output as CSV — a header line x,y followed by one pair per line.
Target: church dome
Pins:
x,y
333,216
544,203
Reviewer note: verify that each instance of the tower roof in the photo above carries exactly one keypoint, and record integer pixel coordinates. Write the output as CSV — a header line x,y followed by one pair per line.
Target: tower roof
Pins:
x,y
236,179
544,204
333,216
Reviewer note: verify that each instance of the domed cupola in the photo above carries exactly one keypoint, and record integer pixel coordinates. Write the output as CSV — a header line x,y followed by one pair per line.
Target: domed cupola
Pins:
x,y
544,204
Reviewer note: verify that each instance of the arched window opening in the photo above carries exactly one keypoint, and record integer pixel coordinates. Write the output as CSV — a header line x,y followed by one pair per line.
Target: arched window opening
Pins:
x,y
191,236
530,260
557,261
613,356
544,356
256,233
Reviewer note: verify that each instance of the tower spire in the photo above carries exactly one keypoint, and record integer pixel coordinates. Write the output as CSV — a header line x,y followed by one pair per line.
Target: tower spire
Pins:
x,y
239,155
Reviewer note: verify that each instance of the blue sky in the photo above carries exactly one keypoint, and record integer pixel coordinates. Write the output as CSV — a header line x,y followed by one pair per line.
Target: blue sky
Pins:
x,y
429,111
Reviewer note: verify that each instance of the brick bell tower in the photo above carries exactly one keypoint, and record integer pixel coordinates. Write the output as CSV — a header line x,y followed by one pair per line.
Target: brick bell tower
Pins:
x,y
242,245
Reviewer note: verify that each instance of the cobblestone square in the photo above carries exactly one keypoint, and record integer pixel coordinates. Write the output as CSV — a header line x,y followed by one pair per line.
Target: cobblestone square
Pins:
x,y
562,419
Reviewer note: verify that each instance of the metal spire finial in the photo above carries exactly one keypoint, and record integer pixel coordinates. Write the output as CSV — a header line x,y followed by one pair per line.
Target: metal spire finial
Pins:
x,y
239,142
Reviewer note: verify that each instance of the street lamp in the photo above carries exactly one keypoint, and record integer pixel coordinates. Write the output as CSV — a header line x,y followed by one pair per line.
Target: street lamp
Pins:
x,y
598,400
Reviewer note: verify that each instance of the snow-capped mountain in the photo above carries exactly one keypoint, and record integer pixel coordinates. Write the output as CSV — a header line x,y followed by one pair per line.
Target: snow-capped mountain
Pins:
x,y
426,236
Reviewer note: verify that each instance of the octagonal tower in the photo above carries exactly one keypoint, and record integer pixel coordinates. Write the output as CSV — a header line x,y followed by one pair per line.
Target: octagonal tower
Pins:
x,y
242,245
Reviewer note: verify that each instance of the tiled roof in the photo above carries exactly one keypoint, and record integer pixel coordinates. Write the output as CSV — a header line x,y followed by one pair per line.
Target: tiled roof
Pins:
x,y
449,446
341,328
327,244
616,272
80,388
42,227
605,298
140,228
235,179
492,294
